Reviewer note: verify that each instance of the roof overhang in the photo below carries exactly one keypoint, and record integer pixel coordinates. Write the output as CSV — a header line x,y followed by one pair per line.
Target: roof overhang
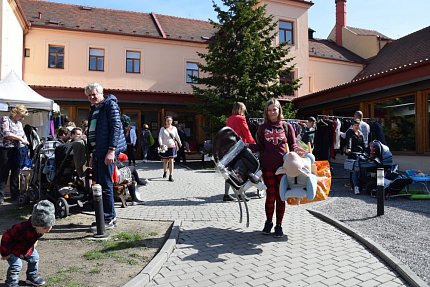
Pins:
x,y
368,85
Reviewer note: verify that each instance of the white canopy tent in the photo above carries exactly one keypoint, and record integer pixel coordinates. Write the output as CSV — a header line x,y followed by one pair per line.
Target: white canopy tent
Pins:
x,y
14,91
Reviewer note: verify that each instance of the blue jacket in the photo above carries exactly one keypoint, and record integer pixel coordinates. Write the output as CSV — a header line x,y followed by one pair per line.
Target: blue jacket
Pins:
x,y
109,130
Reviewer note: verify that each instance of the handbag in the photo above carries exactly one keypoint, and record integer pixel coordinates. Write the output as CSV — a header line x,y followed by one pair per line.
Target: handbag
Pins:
x,y
178,145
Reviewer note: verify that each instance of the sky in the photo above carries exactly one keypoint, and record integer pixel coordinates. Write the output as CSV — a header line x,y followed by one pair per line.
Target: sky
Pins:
x,y
393,18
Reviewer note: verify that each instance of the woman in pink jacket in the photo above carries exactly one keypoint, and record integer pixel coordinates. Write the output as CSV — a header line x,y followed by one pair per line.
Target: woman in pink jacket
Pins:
x,y
237,122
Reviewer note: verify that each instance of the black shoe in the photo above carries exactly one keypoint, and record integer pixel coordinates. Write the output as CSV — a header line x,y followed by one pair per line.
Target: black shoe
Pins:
x,y
164,174
171,178
142,182
228,197
278,231
267,227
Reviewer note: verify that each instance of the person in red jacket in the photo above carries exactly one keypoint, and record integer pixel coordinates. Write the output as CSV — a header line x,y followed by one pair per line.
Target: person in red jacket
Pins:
x,y
272,137
237,121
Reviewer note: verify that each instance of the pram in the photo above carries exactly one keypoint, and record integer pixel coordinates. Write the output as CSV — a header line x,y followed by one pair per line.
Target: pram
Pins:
x,y
58,176
367,165
236,163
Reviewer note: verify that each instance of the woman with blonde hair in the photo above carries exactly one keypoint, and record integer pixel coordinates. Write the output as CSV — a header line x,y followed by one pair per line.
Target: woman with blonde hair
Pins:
x,y
272,137
12,136
169,139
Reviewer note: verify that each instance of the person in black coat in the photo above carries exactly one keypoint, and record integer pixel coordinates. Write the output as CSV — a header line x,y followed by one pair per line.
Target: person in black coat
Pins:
x,y
355,144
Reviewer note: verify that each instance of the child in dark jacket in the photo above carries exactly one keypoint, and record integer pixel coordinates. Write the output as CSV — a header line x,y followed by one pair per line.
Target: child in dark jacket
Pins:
x,y
19,242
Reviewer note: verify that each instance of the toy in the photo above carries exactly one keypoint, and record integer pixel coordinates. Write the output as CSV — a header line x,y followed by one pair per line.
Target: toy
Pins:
x,y
298,180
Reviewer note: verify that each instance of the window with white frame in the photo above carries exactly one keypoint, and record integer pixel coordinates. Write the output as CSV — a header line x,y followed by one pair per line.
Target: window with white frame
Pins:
x,y
132,62
192,72
56,57
286,32
97,59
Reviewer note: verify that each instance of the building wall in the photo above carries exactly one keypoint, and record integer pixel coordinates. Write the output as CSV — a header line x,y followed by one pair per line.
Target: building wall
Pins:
x,y
325,73
11,40
162,62
298,14
364,46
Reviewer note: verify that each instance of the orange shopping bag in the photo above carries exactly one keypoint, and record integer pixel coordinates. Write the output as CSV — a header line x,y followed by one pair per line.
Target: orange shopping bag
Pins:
x,y
323,184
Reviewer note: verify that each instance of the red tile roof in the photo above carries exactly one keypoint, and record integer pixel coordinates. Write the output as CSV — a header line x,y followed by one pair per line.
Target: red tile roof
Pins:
x,y
81,18
404,52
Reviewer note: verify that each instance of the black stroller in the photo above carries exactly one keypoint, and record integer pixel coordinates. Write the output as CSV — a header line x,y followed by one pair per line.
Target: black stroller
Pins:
x,y
380,157
59,176
237,164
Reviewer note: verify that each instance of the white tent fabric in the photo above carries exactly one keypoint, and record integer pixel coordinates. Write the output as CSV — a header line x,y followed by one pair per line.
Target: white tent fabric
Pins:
x,y
14,91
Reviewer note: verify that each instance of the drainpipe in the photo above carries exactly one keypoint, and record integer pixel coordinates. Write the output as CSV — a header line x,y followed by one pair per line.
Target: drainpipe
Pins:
x,y
340,19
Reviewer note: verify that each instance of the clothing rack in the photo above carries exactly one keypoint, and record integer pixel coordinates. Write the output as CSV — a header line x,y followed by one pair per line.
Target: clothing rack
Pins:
x,y
341,117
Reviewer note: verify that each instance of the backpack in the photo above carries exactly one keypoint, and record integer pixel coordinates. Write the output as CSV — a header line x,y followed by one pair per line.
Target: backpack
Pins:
x,y
151,139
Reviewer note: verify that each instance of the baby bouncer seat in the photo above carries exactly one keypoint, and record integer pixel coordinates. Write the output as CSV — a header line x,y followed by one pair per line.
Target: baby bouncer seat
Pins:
x,y
237,164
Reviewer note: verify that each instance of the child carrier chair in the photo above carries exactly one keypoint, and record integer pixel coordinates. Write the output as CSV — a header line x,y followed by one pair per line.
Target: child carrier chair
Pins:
x,y
236,163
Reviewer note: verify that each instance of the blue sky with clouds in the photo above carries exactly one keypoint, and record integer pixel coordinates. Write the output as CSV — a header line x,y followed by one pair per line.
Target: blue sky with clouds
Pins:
x,y
393,18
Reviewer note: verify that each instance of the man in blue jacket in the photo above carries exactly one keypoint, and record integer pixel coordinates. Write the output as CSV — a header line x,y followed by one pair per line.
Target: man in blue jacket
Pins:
x,y
105,141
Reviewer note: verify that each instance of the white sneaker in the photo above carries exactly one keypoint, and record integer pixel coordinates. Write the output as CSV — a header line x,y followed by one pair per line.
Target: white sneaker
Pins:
x,y
356,190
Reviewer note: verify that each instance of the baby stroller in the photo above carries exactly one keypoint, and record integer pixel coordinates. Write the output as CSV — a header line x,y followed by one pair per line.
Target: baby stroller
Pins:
x,y
59,176
380,157
237,164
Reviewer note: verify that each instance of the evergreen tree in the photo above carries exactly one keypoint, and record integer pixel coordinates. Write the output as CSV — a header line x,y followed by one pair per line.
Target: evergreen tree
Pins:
x,y
242,63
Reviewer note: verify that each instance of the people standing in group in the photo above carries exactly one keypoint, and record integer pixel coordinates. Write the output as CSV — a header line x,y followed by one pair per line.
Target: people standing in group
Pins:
x,y
355,142
63,135
76,134
105,140
364,127
272,137
168,137
146,142
19,243
237,121
12,136
308,135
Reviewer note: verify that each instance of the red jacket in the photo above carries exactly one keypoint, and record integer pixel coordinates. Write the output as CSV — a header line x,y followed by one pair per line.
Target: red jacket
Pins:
x,y
19,240
239,125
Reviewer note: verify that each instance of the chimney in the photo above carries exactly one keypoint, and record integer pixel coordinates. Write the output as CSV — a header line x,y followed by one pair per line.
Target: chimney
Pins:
x,y
340,19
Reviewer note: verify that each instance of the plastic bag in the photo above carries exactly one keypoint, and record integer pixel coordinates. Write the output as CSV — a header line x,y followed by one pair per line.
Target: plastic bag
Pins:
x,y
151,140
323,184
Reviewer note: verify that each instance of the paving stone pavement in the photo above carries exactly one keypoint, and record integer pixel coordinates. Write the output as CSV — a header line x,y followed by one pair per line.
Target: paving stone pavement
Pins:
x,y
214,249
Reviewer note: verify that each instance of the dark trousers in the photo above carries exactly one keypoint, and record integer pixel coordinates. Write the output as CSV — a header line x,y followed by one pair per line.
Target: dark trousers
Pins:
x,y
131,153
181,155
103,176
9,163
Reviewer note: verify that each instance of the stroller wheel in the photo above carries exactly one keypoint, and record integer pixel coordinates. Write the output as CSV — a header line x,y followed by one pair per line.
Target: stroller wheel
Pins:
x,y
62,208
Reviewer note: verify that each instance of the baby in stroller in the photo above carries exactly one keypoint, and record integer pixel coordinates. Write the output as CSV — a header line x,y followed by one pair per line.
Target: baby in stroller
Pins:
x,y
380,156
237,164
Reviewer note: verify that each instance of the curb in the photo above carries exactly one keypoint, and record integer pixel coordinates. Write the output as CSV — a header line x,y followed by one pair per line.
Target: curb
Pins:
x,y
403,270
147,274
